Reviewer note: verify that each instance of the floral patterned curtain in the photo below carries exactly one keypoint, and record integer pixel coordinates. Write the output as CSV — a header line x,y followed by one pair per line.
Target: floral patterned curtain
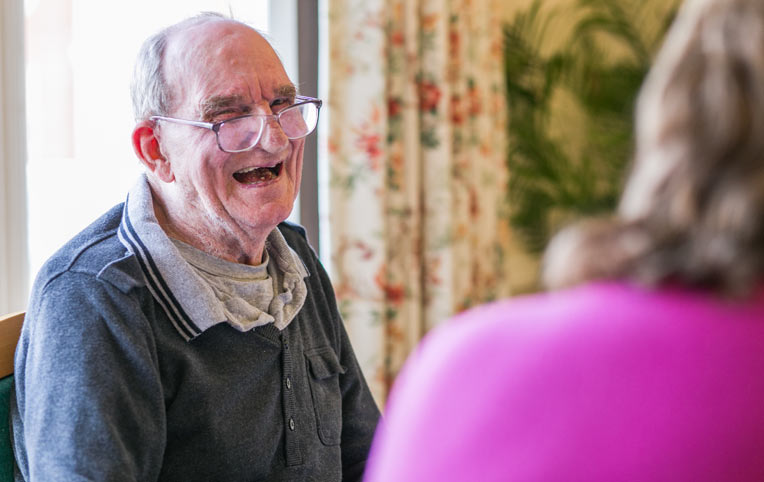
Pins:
x,y
418,174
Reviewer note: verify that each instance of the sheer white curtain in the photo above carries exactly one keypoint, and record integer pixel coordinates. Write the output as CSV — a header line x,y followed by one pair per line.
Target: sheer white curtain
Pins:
x,y
13,205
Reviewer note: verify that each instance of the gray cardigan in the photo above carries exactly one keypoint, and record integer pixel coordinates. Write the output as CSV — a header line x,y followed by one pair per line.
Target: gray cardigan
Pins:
x,y
108,387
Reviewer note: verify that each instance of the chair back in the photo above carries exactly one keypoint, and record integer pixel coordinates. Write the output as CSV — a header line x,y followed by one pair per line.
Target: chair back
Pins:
x,y
10,329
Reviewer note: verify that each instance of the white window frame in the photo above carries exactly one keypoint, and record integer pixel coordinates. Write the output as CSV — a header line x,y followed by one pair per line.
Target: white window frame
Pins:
x,y
14,262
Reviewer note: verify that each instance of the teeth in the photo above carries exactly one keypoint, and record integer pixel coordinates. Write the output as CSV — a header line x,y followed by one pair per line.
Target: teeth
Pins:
x,y
250,169
257,174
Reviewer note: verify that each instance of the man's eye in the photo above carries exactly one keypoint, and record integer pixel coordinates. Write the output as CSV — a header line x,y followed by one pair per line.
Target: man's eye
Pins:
x,y
224,115
280,104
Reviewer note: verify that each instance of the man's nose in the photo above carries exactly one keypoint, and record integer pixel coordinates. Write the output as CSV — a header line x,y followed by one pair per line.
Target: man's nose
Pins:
x,y
273,139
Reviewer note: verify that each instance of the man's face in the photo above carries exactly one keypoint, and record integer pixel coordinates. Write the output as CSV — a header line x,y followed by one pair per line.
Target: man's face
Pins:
x,y
217,71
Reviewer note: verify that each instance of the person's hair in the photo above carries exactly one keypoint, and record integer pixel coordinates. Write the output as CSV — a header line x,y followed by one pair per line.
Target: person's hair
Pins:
x,y
149,91
692,211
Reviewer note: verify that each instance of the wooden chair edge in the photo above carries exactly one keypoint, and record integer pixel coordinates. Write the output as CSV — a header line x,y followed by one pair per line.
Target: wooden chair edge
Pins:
x,y
10,330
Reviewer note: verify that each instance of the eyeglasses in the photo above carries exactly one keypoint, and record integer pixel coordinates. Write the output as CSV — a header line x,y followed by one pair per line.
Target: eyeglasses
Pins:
x,y
242,133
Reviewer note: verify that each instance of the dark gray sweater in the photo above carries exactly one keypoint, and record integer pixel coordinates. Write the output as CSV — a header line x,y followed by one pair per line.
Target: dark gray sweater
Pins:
x,y
108,388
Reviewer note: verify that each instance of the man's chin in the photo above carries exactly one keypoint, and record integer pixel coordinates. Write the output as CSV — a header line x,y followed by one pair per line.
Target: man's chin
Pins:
x,y
267,217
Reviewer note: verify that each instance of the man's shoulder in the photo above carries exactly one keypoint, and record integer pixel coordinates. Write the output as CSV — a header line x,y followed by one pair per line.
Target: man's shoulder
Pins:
x,y
288,229
88,252
296,238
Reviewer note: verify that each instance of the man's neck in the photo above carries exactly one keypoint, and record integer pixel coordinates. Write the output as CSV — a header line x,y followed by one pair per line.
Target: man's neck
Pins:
x,y
233,251
242,246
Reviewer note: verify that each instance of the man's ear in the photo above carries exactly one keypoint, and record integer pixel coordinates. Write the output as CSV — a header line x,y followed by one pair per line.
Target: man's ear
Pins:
x,y
146,146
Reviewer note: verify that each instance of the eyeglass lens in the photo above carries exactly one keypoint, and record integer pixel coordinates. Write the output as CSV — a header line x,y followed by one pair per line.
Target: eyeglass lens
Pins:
x,y
244,133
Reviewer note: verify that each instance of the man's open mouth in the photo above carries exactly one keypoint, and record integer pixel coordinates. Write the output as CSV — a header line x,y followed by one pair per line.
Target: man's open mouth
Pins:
x,y
254,175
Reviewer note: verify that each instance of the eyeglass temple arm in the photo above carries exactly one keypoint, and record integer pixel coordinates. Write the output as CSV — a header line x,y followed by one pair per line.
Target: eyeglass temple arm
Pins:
x,y
305,99
206,125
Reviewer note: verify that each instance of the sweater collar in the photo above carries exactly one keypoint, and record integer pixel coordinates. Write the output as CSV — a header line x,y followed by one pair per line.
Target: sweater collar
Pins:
x,y
189,303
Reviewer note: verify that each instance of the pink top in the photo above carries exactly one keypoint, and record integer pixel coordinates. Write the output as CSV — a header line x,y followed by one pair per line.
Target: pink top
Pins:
x,y
601,383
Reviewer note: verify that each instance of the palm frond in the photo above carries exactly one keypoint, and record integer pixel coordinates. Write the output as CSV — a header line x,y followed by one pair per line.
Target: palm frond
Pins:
x,y
551,181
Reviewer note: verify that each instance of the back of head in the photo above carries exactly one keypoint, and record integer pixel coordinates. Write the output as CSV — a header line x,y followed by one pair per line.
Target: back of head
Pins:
x,y
693,208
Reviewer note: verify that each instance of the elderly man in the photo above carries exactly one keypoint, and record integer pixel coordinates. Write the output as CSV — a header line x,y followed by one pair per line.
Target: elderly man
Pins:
x,y
189,334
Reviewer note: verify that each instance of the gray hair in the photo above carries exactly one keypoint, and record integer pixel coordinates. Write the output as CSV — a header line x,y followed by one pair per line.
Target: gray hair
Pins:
x,y
693,208
149,90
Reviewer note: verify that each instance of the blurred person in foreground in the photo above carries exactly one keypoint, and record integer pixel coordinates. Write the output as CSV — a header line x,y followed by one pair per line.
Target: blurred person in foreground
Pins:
x,y
648,364
190,334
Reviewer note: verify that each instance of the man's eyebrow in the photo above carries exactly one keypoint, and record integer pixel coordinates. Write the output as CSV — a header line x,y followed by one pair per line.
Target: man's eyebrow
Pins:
x,y
212,105
286,91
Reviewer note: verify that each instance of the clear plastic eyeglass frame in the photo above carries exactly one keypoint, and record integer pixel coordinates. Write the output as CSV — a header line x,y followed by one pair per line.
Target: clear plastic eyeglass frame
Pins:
x,y
251,126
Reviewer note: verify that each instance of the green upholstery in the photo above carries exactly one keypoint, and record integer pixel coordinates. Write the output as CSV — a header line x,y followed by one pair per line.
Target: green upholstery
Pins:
x,y
6,452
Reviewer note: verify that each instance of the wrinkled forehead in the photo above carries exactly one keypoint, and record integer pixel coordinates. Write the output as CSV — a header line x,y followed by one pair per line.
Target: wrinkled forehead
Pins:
x,y
221,59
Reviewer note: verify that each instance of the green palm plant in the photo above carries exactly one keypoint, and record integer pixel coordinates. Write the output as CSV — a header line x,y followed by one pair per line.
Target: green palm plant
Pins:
x,y
565,171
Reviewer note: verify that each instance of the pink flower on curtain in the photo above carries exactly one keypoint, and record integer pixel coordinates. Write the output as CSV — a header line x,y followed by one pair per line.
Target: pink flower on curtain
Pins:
x,y
475,102
430,21
369,142
394,107
394,292
332,147
397,38
429,96
454,47
368,138
457,111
